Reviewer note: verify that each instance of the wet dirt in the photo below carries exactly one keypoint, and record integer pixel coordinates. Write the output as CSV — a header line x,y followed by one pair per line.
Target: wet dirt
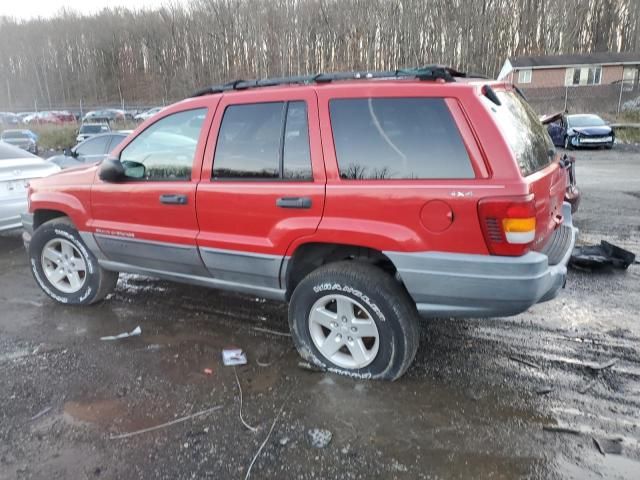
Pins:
x,y
465,409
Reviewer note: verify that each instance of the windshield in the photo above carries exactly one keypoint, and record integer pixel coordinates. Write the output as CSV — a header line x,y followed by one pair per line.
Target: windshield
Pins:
x,y
585,121
527,137
14,135
93,129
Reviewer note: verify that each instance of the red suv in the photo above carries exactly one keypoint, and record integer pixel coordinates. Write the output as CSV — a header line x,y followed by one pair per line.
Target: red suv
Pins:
x,y
365,203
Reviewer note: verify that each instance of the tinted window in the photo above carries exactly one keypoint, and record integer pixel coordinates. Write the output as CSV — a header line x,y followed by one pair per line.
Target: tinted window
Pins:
x,y
249,141
378,138
296,154
115,141
528,138
166,149
94,146
15,135
264,141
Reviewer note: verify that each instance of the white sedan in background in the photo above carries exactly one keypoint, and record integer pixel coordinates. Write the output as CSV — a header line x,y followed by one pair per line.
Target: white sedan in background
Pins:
x,y
17,167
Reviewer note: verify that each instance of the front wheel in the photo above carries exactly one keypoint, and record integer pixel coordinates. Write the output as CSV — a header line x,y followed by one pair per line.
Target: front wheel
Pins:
x,y
354,319
567,143
63,266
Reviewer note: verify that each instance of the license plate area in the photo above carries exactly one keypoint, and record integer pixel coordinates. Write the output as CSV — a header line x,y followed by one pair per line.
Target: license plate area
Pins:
x,y
13,187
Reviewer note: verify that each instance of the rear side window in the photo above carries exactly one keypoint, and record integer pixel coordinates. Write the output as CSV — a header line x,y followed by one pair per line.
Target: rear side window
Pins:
x,y
397,138
264,141
525,135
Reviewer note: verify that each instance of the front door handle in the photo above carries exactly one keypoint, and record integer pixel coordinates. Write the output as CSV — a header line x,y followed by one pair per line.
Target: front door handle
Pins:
x,y
293,202
173,199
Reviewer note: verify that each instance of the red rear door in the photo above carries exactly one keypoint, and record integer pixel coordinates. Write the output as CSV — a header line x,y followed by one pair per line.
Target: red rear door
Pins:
x,y
262,185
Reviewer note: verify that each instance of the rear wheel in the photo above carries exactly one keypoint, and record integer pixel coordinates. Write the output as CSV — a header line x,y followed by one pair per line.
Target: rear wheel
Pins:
x,y
63,266
354,319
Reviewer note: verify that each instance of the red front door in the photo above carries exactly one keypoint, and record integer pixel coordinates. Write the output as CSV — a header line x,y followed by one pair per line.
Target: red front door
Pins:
x,y
148,220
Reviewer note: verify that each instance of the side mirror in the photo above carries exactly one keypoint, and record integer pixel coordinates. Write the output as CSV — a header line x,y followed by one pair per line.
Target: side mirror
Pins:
x,y
111,170
133,170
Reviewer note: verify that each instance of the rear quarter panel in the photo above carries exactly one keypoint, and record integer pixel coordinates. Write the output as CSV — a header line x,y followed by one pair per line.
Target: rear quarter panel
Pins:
x,y
386,215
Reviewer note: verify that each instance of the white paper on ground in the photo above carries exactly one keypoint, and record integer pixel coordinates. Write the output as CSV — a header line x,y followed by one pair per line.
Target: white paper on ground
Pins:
x,y
234,356
136,331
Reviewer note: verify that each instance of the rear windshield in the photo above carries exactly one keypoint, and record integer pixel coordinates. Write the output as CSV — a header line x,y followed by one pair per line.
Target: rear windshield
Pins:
x,y
14,135
527,137
93,129
9,152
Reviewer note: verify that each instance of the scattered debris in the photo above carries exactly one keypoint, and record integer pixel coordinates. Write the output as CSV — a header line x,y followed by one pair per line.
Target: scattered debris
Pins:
x,y
310,367
593,257
41,413
263,364
608,445
272,332
320,438
168,424
249,427
233,356
544,390
133,333
559,429
208,371
598,445
588,386
275,420
525,362
601,366
284,441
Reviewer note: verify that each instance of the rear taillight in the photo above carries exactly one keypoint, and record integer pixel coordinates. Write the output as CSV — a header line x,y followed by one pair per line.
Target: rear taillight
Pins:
x,y
508,224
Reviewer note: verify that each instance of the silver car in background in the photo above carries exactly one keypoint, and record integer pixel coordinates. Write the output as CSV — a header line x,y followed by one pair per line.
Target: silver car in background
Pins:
x,y
24,139
17,167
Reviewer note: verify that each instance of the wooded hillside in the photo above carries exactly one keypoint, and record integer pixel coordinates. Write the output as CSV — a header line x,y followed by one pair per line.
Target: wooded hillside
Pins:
x,y
162,55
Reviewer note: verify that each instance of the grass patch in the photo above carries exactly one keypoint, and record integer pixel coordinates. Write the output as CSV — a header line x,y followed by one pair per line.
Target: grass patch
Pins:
x,y
56,137
628,135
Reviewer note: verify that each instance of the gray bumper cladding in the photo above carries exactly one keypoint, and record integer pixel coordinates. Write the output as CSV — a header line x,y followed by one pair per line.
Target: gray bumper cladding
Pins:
x,y
464,285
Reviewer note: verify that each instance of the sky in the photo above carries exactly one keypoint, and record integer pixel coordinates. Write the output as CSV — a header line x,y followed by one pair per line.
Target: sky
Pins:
x,y
26,9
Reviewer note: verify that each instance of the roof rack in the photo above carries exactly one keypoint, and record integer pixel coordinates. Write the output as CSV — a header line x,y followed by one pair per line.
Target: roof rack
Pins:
x,y
429,72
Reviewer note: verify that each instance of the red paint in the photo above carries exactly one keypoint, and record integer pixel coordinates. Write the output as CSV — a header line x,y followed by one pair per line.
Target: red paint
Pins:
x,y
400,215
436,216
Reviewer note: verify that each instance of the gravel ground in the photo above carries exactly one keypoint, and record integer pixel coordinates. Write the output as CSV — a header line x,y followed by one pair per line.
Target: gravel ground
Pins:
x,y
486,398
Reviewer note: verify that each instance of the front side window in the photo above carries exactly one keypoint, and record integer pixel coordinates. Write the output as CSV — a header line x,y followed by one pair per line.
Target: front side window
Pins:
x,y
263,141
397,138
165,150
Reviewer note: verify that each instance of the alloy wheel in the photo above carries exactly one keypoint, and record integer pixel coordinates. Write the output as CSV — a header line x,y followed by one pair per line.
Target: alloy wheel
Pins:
x,y
63,265
344,331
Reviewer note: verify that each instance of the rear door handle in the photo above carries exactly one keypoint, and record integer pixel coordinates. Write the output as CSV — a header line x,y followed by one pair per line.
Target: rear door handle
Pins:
x,y
293,202
173,199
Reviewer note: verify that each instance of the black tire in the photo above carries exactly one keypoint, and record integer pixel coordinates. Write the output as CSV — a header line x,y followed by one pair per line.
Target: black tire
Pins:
x,y
386,302
609,146
98,282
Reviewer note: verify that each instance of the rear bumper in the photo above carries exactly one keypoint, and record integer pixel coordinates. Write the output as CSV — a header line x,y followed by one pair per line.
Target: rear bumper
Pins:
x,y
10,211
464,285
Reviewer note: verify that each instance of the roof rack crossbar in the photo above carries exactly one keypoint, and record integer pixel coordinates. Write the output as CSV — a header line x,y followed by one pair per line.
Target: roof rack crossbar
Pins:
x,y
429,72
